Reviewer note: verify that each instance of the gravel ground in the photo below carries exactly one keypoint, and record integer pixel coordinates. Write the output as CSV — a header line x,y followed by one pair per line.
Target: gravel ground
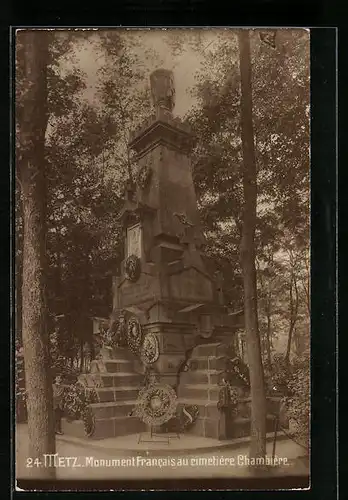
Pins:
x,y
86,462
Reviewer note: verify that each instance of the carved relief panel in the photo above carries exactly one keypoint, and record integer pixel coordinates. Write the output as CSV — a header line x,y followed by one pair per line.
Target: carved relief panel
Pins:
x,y
134,241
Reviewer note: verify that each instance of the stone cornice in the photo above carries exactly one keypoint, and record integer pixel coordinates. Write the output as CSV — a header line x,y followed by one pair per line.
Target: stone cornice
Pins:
x,y
170,131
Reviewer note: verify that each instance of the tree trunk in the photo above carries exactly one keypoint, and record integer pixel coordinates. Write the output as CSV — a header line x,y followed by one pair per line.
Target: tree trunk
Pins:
x,y
32,175
82,357
293,315
269,330
306,288
267,295
258,400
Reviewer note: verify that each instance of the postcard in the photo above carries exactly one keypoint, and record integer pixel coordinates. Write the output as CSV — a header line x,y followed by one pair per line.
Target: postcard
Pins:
x,y
162,256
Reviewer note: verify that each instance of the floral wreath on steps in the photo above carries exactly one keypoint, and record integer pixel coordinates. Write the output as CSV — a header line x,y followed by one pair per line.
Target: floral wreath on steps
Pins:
x,y
132,268
156,404
134,335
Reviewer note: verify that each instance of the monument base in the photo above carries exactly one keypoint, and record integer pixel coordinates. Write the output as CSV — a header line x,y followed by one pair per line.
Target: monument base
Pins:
x,y
116,383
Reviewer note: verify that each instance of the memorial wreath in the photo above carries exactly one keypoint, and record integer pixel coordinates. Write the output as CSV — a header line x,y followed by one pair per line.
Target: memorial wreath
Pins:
x,y
144,176
134,335
132,268
150,349
156,404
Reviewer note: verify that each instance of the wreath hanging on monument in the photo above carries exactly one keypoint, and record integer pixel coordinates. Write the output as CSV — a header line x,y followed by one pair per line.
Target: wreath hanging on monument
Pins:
x,y
144,176
132,268
134,335
150,349
156,404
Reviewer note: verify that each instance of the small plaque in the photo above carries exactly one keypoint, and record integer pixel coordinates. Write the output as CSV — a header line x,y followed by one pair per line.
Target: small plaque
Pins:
x,y
134,241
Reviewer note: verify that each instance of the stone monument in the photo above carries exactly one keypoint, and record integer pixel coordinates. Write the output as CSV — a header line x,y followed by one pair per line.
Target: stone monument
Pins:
x,y
165,282
168,317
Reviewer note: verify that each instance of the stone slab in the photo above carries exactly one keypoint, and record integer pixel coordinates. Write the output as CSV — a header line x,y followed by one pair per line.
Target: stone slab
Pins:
x,y
144,289
115,366
171,343
191,285
240,427
207,363
210,350
199,392
112,409
206,409
121,379
111,394
206,377
129,445
169,363
117,426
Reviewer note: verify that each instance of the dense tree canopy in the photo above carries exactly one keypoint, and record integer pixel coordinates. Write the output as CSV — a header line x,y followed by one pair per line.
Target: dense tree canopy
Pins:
x,y
87,161
281,125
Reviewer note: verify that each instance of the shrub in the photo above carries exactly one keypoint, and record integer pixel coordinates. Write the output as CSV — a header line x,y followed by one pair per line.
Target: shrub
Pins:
x,y
298,400
292,381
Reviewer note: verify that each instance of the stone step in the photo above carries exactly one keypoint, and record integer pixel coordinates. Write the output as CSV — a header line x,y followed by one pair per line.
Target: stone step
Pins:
x,y
209,408
199,392
112,409
118,365
208,427
121,393
117,426
118,353
215,349
240,426
104,428
121,379
201,377
202,363
216,428
206,408
272,405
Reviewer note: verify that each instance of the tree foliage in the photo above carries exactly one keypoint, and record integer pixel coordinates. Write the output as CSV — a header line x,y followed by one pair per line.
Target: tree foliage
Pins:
x,y
87,161
281,123
280,89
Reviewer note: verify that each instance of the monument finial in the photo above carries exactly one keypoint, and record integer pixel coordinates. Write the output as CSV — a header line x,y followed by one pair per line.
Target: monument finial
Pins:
x,y
162,89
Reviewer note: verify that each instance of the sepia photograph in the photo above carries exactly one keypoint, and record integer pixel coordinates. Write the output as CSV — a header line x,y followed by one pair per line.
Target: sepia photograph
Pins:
x,y
162,255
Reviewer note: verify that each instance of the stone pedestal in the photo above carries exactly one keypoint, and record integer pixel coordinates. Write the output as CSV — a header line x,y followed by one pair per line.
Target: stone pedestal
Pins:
x,y
201,385
172,341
